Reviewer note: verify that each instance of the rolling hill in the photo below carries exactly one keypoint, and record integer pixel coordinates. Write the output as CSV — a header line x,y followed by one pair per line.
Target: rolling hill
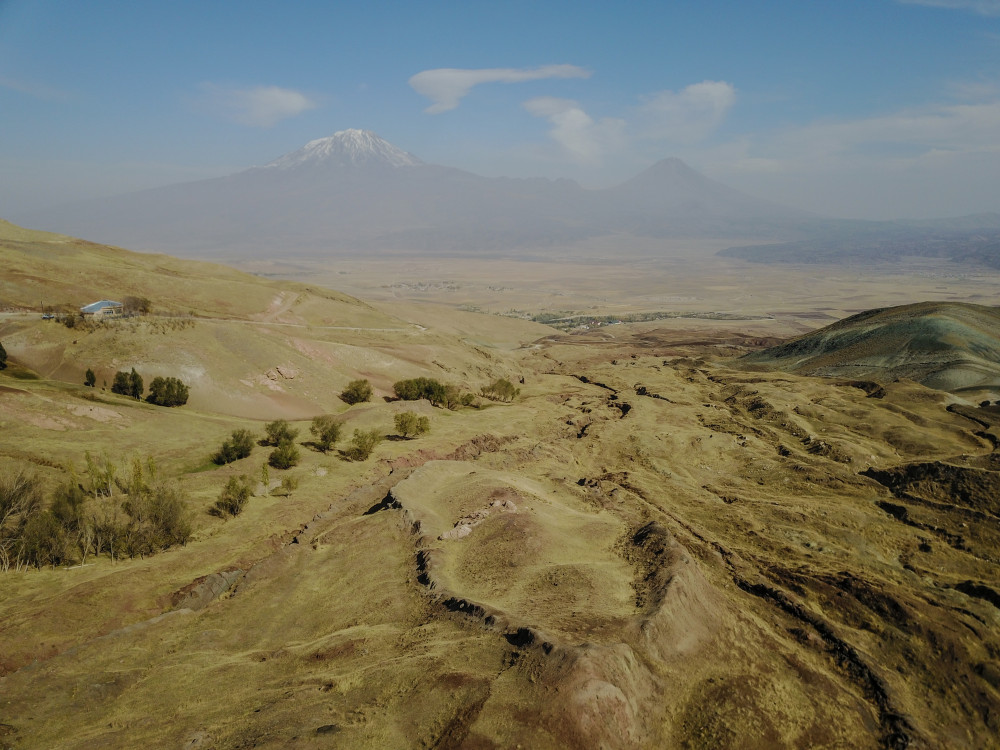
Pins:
x,y
948,346
648,547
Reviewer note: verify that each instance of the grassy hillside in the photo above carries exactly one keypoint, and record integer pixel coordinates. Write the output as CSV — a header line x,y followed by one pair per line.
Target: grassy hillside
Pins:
x,y
647,548
950,346
245,345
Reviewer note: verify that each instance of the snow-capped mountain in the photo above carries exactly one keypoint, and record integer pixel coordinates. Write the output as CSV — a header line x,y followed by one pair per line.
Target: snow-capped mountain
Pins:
x,y
346,148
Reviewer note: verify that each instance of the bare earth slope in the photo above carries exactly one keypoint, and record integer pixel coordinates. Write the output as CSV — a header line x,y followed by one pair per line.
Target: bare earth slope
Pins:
x,y
950,346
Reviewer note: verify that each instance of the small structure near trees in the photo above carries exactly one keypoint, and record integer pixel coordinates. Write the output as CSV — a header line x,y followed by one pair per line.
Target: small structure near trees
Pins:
x,y
103,310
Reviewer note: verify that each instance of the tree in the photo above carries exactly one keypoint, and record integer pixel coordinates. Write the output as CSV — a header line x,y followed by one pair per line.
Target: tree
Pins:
x,y
418,388
121,384
20,500
167,392
285,456
500,390
233,498
238,446
89,379
43,541
128,384
3,357
135,384
356,392
326,430
140,305
408,424
278,431
363,443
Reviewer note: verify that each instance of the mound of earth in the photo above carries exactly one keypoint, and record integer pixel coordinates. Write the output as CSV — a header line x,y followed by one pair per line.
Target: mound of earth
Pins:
x,y
944,345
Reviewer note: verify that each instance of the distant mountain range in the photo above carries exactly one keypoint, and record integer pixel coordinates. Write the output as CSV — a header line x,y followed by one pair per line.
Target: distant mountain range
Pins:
x,y
355,192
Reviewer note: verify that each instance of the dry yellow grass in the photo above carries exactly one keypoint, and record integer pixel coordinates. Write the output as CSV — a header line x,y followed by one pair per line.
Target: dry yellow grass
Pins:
x,y
662,550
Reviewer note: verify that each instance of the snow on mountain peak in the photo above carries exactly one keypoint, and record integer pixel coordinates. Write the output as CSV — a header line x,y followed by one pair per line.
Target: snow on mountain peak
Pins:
x,y
347,148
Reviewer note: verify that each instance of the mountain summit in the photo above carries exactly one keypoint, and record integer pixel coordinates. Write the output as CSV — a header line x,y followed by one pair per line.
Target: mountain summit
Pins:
x,y
347,148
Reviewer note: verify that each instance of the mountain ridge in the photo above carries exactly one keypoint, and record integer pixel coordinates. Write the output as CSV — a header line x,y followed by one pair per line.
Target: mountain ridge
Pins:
x,y
355,191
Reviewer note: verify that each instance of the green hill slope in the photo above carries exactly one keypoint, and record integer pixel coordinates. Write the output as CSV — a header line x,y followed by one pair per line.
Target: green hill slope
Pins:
x,y
948,346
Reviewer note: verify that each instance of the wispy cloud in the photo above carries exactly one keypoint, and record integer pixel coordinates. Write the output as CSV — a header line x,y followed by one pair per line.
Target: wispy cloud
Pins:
x,y
262,106
583,139
447,86
982,7
686,116
45,93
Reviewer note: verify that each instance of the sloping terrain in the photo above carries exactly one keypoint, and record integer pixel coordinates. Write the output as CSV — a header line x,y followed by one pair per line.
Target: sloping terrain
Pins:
x,y
950,346
649,547
244,344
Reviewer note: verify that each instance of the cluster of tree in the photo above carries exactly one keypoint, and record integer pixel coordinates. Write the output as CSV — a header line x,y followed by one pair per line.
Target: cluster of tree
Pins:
x,y
148,515
128,384
162,391
238,445
409,424
167,392
281,435
448,396
356,392
500,390
3,357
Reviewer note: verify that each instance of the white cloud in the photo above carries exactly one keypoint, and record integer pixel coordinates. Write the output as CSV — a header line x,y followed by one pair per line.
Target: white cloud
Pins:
x,y
585,140
446,86
262,106
939,159
688,115
982,7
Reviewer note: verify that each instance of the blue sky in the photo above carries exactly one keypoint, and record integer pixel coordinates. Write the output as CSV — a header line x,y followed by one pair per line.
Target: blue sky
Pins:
x,y
861,108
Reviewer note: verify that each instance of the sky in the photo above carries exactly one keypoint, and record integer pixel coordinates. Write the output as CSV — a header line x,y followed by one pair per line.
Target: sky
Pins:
x,y
874,109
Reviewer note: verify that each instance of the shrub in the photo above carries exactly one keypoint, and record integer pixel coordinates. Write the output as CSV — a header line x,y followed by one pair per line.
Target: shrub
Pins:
x,y
356,392
90,379
3,357
278,431
500,390
238,446
418,388
363,443
326,430
285,456
408,424
233,498
288,485
167,392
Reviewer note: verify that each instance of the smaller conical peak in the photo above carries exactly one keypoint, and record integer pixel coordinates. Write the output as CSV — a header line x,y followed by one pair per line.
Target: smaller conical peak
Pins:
x,y
347,148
